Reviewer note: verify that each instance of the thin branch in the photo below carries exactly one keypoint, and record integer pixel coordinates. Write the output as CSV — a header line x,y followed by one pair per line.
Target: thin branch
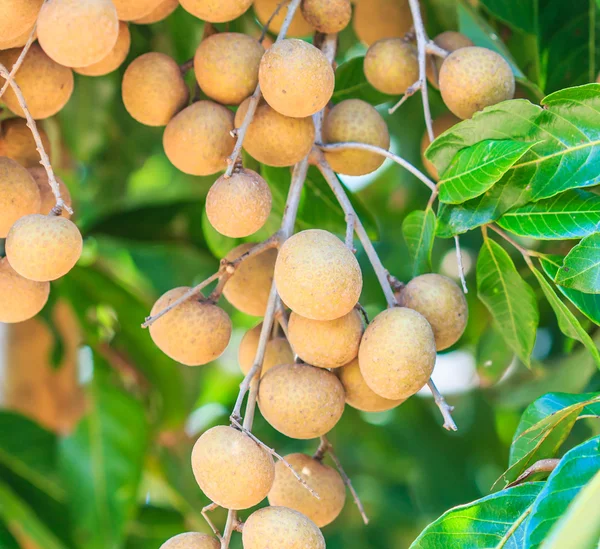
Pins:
x,y
350,223
541,466
20,59
230,526
444,407
431,48
266,26
410,91
459,262
188,65
205,511
364,313
524,251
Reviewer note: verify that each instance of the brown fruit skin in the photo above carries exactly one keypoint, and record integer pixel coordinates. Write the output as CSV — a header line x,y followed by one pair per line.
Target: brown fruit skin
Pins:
x,y
19,194
162,11
130,10
22,299
17,142
153,89
263,10
17,17
377,19
198,141
301,401
114,59
391,65
327,16
240,205
296,78
278,351
231,469
191,540
474,78
216,11
249,287
78,34
194,333
46,85
326,343
440,125
317,276
325,481
355,120
48,201
397,353
442,303
450,41
275,139
226,66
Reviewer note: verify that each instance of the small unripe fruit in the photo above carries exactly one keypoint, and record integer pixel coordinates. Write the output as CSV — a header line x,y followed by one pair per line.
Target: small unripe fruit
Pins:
x,y
21,298
317,276
239,205
327,16
191,540
17,42
114,59
17,142
264,9
231,469
130,10
442,303
48,201
440,125
325,481
301,401
377,19
162,11
391,65
355,120
278,351
296,78
474,78
194,333
43,247
397,353
216,11
17,17
198,140
449,41
76,33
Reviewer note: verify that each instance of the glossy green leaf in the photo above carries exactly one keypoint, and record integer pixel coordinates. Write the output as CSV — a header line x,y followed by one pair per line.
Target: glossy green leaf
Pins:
x,y
581,268
519,15
351,83
418,229
493,356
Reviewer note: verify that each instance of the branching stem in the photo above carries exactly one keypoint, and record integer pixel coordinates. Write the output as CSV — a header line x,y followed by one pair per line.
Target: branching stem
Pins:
x,y
19,60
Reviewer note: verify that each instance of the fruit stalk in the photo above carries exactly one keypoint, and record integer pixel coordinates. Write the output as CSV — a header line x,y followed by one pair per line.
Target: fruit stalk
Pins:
x,y
20,60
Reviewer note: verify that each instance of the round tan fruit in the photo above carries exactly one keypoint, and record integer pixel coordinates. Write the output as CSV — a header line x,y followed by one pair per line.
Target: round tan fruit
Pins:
x,y
249,287
301,401
240,205
231,469
130,10
326,343
440,125
17,42
317,276
19,195
17,142
449,41
377,19
397,353
162,11
327,16
48,201
198,140
278,351
17,17
391,65
46,85
114,59
264,9
355,120
21,298
43,247
325,481
76,33
474,78
296,78
216,11
193,333
442,303
153,89
281,528
191,540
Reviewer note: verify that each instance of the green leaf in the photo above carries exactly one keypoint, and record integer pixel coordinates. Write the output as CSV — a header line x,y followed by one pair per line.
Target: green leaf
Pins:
x,y
351,83
153,526
493,356
418,229
510,300
519,15
581,268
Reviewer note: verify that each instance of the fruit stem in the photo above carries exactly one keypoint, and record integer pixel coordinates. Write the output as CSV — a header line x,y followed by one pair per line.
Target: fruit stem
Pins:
x,y
204,512
444,407
459,262
266,26
20,59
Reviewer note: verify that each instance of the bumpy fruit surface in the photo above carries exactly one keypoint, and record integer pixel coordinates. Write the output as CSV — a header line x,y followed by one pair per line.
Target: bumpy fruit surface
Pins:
x,y
48,201
216,11
194,333
162,11
355,120
130,10
301,401
377,19
281,528
327,16
153,89
114,59
474,78
317,276
442,303
43,247
440,125
240,205
191,540
391,65
198,140
325,481
17,17
46,85
21,298
449,41
77,34
231,469
397,353
296,78
265,8
16,142
278,351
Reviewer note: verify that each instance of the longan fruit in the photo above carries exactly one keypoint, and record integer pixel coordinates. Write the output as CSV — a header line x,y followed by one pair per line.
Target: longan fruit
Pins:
x,y
397,353
265,8
440,125
239,205
153,89
327,16
19,194
301,401
191,540
130,10
21,298
231,469
216,11
114,59
194,333
282,528
355,120
198,140
43,247
326,343
296,78
391,65
46,85
325,481
17,18
278,351
226,66
17,142
48,201
449,41
249,287
442,303
377,19
77,34
162,11
274,139
474,78
17,42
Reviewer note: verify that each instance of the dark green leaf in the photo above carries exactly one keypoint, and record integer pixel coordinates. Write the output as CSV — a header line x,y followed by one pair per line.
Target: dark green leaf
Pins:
x,y
581,268
418,229
350,83
519,15
493,356
153,526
